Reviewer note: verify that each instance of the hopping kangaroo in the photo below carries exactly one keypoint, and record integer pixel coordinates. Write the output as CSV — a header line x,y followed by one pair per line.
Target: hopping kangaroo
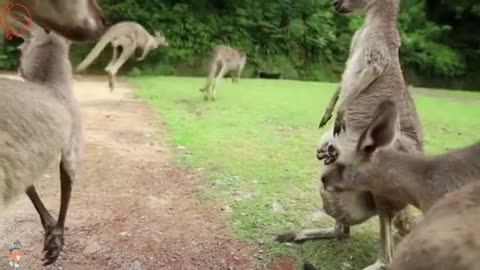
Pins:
x,y
372,74
40,123
446,238
79,20
224,59
128,36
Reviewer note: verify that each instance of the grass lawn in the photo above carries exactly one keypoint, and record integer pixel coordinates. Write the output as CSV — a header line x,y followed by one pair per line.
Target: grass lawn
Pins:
x,y
257,145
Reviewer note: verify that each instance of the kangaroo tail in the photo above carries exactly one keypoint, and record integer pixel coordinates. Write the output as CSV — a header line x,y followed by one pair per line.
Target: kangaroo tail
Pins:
x,y
109,35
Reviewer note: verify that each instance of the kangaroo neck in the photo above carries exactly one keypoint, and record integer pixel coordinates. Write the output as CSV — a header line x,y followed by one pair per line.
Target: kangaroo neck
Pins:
x,y
382,17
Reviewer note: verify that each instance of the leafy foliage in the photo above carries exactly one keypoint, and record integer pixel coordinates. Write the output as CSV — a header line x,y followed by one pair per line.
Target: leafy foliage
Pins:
x,y
304,39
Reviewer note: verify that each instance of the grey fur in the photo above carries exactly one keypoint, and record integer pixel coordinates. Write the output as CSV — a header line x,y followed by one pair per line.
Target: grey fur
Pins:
x,y
397,175
129,36
78,20
223,60
447,237
39,123
372,74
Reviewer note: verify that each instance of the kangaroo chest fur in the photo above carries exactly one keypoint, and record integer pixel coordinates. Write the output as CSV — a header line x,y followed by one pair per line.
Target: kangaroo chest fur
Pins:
x,y
355,61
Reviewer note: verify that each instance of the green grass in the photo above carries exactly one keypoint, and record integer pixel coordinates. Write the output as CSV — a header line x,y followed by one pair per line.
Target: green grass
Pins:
x,y
257,144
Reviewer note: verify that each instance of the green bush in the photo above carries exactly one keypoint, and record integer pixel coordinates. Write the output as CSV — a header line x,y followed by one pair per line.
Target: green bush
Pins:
x,y
303,39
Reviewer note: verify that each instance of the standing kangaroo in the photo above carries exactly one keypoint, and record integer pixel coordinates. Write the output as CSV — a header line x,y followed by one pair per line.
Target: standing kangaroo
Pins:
x,y
372,74
77,20
376,165
129,36
224,59
444,187
39,123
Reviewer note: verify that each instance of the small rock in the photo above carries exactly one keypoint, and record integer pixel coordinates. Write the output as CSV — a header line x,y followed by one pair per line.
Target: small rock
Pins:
x,y
123,233
136,265
243,195
346,266
277,208
92,247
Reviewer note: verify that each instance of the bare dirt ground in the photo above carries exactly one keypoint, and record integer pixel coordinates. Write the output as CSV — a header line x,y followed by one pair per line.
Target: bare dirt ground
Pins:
x,y
133,206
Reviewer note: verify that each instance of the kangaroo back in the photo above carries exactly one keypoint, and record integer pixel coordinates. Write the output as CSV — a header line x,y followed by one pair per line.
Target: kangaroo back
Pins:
x,y
447,237
118,30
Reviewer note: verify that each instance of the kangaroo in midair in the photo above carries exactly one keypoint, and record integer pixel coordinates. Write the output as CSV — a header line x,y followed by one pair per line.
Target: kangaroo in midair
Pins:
x,y
128,36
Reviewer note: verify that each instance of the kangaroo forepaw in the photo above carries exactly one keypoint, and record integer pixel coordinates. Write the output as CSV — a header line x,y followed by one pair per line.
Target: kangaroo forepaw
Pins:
x,y
328,153
53,245
339,126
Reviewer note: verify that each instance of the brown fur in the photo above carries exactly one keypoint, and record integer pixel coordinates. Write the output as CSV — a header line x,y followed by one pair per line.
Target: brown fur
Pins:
x,y
128,36
373,73
40,122
224,59
447,237
375,165
78,20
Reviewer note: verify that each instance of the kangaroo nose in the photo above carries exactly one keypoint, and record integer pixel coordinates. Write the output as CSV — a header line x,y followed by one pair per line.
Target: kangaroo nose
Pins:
x,y
335,4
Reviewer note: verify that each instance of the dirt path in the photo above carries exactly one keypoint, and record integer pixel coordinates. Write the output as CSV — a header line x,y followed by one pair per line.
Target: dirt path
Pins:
x,y
133,207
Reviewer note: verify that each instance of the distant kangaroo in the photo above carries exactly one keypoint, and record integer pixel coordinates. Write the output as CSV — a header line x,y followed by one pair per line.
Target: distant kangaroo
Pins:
x,y
372,74
129,36
224,59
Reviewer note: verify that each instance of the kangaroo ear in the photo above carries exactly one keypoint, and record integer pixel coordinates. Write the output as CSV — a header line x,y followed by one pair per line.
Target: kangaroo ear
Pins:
x,y
381,131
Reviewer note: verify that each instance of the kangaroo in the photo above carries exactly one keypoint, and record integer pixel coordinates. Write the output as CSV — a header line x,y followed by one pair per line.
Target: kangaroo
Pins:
x,y
375,165
39,123
80,20
372,74
447,237
224,59
129,36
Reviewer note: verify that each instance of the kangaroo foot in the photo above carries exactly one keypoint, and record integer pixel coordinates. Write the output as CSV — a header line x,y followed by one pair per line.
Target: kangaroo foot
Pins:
x,y
314,234
53,244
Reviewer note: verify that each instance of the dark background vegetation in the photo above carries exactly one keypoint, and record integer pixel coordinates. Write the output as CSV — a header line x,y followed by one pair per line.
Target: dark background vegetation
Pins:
x,y
303,39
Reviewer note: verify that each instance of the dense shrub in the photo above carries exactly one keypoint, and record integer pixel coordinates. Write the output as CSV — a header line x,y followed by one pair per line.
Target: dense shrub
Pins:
x,y
303,39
